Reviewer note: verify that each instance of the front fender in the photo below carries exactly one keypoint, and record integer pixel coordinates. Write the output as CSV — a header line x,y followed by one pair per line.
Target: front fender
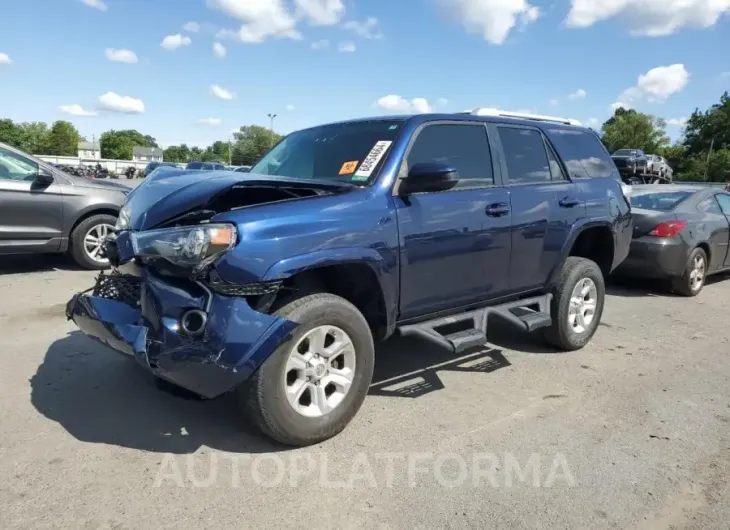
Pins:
x,y
386,275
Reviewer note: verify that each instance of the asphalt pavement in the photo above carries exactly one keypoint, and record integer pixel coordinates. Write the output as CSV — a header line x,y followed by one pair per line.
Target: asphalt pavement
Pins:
x,y
631,432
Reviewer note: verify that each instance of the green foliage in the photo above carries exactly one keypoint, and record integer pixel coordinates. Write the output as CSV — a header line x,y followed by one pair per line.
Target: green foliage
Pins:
x,y
119,144
62,139
252,142
177,153
629,129
711,127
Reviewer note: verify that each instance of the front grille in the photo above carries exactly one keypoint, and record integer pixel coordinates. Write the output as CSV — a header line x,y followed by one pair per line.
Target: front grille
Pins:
x,y
119,287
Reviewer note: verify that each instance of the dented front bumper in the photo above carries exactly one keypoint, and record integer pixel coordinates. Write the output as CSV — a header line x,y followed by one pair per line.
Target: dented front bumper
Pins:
x,y
235,341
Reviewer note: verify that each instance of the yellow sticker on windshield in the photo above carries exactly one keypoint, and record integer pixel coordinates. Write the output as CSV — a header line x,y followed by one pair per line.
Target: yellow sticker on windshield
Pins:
x,y
348,168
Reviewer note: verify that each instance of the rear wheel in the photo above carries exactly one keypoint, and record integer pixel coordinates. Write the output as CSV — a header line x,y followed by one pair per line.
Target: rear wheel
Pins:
x,y
87,241
314,383
695,273
577,305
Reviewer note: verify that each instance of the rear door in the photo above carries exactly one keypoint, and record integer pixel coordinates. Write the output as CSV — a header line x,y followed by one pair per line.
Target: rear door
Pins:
x,y
455,244
31,214
724,200
545,204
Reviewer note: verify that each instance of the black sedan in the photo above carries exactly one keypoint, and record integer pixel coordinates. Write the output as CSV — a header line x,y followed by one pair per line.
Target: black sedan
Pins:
x,y
681,234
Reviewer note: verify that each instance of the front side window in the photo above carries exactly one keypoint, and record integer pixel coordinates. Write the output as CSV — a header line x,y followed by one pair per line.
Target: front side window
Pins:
x,y
525,155
348,152
583,153
464,147
724,200
16,167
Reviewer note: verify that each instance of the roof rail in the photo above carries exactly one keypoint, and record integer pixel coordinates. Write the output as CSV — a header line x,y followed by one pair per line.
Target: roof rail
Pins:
x,y
488,111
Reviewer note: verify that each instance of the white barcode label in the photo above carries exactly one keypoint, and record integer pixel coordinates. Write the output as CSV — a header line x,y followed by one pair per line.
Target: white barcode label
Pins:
x,y
371,161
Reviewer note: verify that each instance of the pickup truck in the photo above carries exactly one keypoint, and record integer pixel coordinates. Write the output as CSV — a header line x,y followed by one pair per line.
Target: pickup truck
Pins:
x,y
276,284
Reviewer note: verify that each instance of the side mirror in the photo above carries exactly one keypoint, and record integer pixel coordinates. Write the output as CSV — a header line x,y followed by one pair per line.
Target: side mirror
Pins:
x,y
429,176
44,176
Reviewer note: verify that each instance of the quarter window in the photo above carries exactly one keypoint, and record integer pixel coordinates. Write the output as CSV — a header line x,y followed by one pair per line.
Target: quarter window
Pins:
x,y
525,155
724,200
709,205
583,153
16,167
465,147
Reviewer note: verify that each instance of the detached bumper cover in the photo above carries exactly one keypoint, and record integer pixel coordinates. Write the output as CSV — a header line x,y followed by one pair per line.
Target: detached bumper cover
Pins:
x,y
236,340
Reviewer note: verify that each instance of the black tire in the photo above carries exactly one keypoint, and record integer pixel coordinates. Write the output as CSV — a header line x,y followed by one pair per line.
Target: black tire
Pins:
x,y
683,285
561,334
76,241
263,395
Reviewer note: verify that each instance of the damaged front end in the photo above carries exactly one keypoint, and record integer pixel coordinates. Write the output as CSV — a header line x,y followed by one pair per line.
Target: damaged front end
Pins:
x,y
166,306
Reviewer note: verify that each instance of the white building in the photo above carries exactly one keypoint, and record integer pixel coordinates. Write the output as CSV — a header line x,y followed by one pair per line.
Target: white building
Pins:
x,y
89,150
147,154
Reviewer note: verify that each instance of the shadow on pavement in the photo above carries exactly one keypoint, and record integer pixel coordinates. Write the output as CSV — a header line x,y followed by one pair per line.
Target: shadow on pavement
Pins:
x,y
23,264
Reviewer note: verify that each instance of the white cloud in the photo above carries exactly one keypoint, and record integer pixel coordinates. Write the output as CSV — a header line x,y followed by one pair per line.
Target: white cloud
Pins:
x,y
578,94
219,50
347,47
442,102
192,27
290,107
121,55
96,4
5,58
261,19
399,104
648,17
76,110
173,42
656,86
367,29
123,104
494,19
620,105
320,44
212,122
221,92
677,122
320,12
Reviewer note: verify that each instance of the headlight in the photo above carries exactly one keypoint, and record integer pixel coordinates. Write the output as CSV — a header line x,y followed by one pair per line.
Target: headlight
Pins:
x,y
123,219
190,247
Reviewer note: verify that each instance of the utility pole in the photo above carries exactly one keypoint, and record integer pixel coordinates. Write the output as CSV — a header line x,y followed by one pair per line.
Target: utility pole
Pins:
x,y
707,163
271,117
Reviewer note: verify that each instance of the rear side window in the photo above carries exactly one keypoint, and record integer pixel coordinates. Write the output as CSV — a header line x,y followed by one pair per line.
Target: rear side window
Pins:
x,y
465,147
194,165
525,155
662,201
724,200
709,205
583,153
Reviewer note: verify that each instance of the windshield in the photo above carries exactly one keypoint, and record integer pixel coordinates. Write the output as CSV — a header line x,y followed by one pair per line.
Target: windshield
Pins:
x,y
626,152
348,152
660,201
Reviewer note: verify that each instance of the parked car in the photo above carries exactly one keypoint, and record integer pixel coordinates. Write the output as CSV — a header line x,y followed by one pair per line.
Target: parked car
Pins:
x,y
631,163
205,166
681,234
46,210
149,168
275,284
243,169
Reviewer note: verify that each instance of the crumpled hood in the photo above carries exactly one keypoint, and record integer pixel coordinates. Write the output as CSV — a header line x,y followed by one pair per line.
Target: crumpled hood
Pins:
x,y
154,203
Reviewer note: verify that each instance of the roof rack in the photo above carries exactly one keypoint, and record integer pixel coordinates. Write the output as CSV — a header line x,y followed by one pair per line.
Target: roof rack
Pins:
x,y
488,111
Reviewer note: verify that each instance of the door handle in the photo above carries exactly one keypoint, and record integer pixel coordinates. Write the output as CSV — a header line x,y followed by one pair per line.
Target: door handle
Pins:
x,y
497,209
568,202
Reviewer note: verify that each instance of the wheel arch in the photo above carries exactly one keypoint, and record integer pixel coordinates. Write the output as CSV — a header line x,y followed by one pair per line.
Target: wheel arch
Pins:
x,y
594,240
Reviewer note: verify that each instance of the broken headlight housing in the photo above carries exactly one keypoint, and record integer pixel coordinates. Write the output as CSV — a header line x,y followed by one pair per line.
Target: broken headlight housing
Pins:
x,y
123,219
189,247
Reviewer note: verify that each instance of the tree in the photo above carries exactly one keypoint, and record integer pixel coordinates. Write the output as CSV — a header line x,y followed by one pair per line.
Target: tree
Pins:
x,y
628,128
252,142
62,139
218,152
34,137
177,153
709,127
119,144
10,133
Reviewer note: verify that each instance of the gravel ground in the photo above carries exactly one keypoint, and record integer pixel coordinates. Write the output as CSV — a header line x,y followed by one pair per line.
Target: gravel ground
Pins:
x,y
631,432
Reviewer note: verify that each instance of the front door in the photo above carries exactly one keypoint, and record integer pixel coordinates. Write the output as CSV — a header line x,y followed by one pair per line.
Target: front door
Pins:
x,y
31,214
454,244
545,204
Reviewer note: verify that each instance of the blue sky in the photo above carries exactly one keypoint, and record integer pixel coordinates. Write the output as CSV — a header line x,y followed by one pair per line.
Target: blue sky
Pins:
x,y
313,61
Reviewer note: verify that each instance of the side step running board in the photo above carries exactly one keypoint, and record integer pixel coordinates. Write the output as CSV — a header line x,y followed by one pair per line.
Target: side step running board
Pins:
x,y
517,313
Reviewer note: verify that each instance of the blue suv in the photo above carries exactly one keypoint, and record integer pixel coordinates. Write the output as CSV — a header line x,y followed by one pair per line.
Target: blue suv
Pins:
x,y
275,284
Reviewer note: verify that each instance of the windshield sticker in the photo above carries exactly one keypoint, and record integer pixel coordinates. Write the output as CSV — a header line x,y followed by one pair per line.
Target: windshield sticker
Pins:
x,y
371,161
348,168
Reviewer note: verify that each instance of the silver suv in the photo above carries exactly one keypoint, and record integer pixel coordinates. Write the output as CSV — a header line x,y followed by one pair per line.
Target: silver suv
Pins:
x,y
45,210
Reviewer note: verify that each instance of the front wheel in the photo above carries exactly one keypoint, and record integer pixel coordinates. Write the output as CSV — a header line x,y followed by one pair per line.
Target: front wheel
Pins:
x,y
87,241
577,305
314,383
